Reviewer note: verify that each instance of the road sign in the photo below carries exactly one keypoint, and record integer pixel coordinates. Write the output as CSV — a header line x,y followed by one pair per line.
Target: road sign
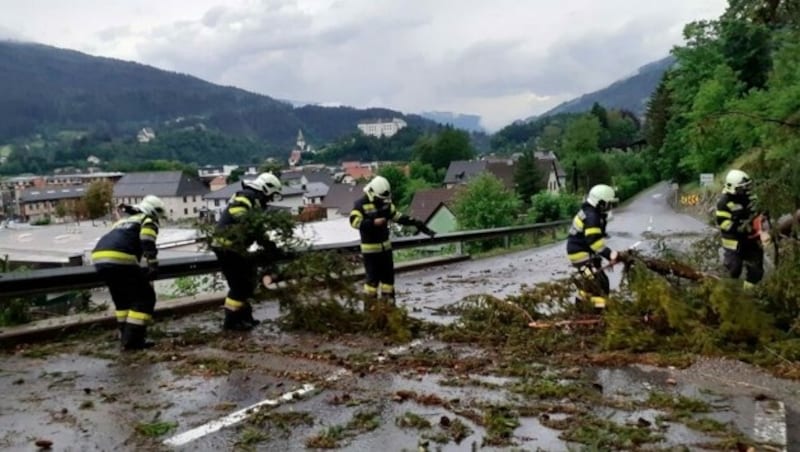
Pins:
x,y
706,179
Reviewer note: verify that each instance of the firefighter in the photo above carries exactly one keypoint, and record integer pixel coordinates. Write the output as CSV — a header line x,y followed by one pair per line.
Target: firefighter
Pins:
x,y
586,246
231,243
117,257
371,215
739,222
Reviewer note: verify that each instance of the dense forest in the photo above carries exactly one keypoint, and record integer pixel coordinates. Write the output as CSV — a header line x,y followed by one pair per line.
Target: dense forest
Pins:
x,y
57,89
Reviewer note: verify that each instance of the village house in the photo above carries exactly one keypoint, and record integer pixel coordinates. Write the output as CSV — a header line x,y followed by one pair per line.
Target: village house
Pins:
x,y
341,198
42,203
182,193
435,208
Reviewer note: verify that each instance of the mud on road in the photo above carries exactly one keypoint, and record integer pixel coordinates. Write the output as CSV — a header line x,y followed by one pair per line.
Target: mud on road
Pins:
x,y
202,389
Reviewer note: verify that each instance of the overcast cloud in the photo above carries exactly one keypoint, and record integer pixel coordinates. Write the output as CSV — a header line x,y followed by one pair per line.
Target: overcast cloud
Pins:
x,y
501,59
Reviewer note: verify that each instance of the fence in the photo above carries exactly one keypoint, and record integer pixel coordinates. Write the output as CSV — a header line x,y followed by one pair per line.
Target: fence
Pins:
x,y
35,282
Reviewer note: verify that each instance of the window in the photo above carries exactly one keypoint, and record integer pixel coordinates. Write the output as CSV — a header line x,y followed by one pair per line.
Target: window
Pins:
x,y
216,203
194,209
185,211
194,199
184,199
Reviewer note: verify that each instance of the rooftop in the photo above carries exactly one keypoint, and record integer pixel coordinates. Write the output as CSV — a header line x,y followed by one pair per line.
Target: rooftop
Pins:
x,y
425,202
342,197
159,183
52,193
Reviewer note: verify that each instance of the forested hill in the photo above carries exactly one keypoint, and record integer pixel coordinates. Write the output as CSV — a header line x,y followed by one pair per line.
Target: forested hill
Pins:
x,y
629,94
48,87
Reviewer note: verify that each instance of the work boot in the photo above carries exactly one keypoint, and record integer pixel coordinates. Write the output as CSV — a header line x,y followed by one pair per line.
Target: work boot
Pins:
x,y
247,314
238,321
133,337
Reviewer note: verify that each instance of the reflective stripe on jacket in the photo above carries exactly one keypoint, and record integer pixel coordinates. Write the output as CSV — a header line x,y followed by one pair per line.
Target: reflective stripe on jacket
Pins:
x,y
375,238
129,240
587,235
734,213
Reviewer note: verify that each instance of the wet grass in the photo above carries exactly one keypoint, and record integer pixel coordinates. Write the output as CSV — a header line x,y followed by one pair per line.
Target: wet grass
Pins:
x,y
86,405
603,434
155,429
330,438
411,420
327,439
285,421
249,438
208,366
500,423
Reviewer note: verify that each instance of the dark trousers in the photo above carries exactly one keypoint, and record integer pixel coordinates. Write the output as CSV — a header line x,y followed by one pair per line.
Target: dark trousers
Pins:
x,y
133,296
240,273
379,269
750,257
593,282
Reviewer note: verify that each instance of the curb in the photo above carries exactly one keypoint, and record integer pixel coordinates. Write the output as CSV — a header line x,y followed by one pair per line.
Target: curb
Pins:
x,y
58,327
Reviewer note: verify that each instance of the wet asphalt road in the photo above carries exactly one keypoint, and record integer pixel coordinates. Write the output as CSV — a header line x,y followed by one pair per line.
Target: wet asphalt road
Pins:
x,y
83,396
504,275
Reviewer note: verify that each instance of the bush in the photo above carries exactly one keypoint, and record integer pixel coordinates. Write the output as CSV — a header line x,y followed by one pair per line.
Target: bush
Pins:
x,y
546,206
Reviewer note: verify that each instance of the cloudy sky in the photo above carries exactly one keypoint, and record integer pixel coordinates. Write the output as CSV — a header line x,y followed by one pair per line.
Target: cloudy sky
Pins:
x,y
501,59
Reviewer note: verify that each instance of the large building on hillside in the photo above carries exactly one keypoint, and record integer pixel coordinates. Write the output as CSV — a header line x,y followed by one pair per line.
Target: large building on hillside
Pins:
x,y
381,127
182,193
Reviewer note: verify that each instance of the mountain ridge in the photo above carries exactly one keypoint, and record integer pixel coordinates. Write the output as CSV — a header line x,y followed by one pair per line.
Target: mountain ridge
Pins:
x,y
629,93
64,88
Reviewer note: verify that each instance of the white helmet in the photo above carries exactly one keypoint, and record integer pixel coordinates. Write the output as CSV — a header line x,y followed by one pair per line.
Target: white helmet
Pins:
x,y
379,187
152,206
266,183
737,180
601,193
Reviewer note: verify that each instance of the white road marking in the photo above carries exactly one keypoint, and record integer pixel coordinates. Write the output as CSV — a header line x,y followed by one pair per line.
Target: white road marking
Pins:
x,y
658,195
769,425
650,224
238,416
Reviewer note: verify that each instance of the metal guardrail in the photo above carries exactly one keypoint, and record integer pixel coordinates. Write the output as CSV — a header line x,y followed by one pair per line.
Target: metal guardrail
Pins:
x,y
74,278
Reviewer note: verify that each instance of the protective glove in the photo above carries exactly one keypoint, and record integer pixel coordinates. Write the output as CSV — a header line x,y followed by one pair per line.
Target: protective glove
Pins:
x,y
746,227
152,269
614,257
421,227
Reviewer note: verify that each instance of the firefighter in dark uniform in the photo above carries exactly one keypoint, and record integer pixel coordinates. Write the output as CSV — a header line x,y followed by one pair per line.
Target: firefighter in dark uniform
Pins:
x,y
739,222
371,215
116,258
586,246
230,244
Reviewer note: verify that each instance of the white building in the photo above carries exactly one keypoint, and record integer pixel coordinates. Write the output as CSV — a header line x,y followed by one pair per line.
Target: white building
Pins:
x,y
182,193
145,135
381,127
